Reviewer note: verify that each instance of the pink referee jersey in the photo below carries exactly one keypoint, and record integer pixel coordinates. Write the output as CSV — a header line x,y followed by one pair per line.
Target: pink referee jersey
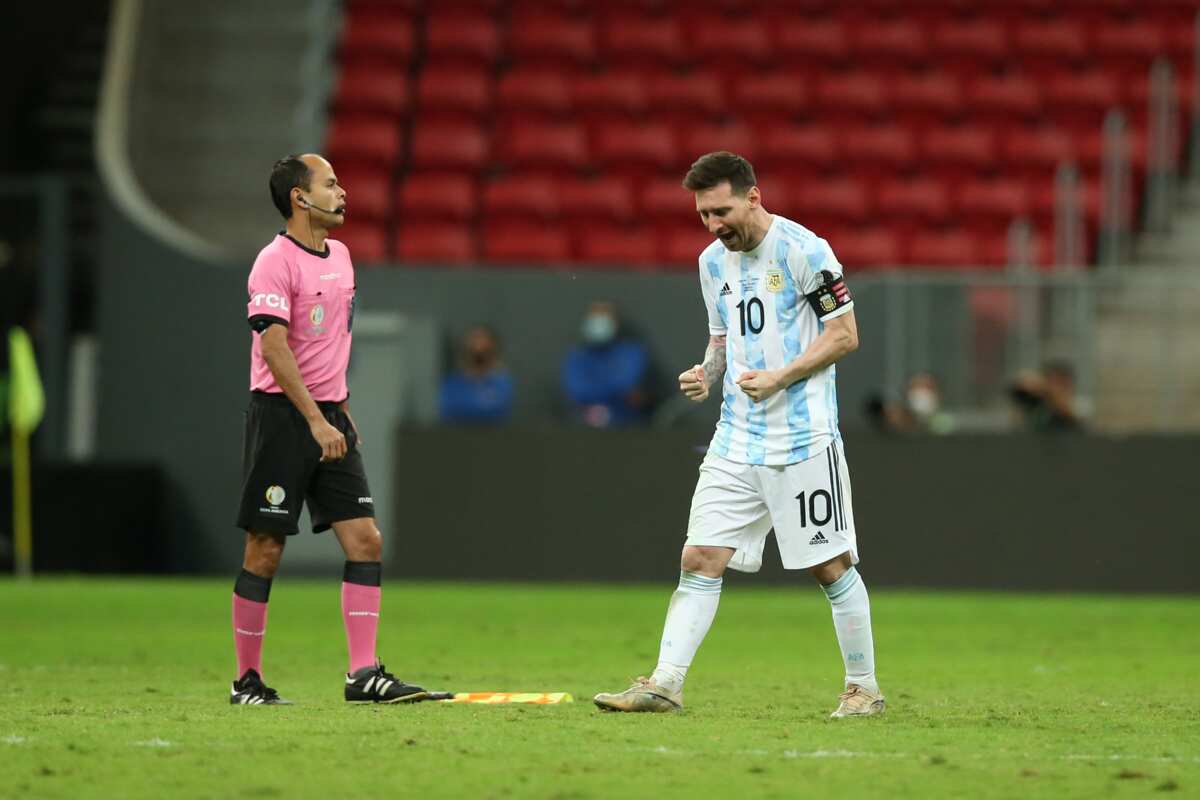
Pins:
x,y
314,294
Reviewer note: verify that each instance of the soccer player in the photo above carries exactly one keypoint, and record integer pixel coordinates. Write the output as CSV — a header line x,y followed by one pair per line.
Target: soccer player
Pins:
x,y
779,316
300,442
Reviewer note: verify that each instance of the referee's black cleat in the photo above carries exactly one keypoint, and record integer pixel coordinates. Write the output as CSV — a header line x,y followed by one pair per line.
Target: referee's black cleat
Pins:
x,y
376,685
249,690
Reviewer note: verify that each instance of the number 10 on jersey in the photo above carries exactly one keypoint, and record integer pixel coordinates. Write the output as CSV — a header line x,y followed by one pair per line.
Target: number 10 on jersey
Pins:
x,y
748,310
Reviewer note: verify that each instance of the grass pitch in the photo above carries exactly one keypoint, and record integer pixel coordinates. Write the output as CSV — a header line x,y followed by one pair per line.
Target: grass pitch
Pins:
x,y
118,688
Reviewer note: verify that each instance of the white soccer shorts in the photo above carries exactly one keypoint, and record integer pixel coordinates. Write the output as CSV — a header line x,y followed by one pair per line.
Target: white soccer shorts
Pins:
x,y
807,503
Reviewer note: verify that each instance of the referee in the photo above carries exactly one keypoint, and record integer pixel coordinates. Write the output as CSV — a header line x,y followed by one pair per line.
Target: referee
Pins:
x,y
300,442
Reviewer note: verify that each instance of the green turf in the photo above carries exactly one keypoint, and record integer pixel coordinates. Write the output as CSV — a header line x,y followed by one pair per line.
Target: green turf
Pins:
x,y
119,689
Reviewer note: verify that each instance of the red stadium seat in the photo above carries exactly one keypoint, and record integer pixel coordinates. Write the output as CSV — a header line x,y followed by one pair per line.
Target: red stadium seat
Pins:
x,y
681,246
695,93
742,39
438,195
952,248
521,197
545,145
539,37
367,192
620,144
852,91
883,144
610,92
927,91
1056,39
1043,147
700,138
641,38
969,145
525,243
1003,198
601,198
439,242
462,36
772,92
617,246
368,88
364,140
866,247
922,197
1045,197
901,39
808,42
535,90
377,37
1005,95
366,240
449,145
975,38
1092,90
840,198
665,198
798,145
455,90
1141,39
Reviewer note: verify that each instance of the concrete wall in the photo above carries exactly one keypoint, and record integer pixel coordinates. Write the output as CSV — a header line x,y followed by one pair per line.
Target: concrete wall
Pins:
x,y
993,512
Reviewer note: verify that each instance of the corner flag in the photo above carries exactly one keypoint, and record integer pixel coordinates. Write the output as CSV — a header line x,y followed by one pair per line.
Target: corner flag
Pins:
x,y
26,404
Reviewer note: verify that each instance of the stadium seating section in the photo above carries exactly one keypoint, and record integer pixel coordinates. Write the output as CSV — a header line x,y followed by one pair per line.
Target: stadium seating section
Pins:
x,y
907,132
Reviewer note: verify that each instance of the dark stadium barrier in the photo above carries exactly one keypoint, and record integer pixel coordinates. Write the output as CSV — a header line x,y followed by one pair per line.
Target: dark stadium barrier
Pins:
x,y
101,519
1056,513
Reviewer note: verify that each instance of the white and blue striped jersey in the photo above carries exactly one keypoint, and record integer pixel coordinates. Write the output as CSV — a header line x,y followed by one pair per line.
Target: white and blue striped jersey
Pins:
x,y
758,300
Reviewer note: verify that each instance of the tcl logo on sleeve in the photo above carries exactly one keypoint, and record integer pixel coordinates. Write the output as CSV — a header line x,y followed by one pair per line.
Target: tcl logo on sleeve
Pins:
x,y
270,301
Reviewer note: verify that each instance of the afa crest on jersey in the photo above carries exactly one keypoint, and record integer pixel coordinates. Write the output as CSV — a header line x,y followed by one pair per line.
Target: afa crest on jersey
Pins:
x,y
774,280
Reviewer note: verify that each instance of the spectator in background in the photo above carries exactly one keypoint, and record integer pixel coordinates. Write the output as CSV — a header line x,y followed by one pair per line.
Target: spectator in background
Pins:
x,y
480,390
605,377
920,412
1045,401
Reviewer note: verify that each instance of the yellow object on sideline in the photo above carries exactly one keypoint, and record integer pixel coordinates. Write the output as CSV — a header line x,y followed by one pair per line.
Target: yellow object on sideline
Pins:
x,y
495,698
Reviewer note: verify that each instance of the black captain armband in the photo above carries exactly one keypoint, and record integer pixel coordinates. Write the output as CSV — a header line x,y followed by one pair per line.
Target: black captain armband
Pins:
x,y
260,322
830,296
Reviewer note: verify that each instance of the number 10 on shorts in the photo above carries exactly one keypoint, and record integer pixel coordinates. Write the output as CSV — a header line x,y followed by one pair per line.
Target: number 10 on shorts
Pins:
x,y
809,508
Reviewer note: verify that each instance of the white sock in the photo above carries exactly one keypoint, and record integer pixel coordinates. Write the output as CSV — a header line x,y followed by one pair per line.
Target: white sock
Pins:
x,y
852,621
689,616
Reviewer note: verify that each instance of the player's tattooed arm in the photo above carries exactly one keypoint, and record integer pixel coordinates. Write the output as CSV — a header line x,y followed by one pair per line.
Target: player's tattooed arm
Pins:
x,y
714,360
695,382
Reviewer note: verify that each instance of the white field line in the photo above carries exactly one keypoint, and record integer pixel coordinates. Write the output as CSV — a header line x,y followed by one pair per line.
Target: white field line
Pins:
x,y
794,754
13,740
155,742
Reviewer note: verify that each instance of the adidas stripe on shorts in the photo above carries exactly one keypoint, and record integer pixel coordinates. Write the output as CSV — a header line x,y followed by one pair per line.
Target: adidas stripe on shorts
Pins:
x,y
807,503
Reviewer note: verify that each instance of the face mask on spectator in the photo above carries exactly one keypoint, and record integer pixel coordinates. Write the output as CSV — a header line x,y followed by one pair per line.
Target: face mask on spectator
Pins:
x,y
599,329
922,401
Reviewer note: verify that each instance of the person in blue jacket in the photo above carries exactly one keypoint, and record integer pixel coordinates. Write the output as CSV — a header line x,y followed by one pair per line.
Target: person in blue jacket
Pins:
x,y
605,376
480,389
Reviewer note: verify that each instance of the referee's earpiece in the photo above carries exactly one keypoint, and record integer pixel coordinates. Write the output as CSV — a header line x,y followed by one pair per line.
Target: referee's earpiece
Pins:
x,y
303,203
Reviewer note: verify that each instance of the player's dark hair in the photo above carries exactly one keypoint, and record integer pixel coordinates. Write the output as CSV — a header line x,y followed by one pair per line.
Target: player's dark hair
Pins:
x,y
713,168
287,174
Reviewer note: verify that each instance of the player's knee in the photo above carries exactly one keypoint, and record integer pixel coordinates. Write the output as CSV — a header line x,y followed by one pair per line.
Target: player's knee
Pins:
x,y
264,551
367,544
699,561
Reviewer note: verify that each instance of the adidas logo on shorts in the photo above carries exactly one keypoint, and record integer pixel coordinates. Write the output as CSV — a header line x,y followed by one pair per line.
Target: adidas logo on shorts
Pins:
x,y
818,539
725,290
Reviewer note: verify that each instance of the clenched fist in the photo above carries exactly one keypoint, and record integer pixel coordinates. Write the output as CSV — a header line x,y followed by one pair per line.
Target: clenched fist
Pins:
x,y
693,384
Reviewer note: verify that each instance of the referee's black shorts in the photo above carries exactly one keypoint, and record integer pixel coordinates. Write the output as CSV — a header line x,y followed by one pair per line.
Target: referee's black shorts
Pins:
x,y
282,467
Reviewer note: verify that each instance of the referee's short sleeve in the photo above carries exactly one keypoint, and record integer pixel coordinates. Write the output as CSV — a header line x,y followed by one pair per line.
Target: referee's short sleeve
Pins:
x,y
270,287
